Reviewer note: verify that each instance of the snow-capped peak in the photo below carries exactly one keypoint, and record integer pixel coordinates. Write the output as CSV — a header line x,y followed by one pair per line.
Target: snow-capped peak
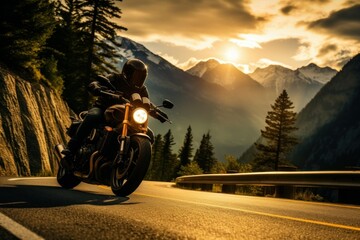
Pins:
x,y
130,48
320,74
203,66
272,75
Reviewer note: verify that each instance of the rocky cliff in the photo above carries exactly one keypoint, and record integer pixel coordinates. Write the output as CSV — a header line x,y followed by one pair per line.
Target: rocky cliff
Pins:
x,y
33,120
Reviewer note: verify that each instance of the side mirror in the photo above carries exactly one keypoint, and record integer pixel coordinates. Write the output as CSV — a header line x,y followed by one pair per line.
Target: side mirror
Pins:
x,y
167,104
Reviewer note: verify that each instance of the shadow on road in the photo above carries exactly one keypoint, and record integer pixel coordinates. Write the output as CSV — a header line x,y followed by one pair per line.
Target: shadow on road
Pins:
x,y
29,196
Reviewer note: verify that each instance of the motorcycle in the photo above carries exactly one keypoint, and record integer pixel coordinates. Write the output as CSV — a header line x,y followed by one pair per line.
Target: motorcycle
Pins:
x,y
118,152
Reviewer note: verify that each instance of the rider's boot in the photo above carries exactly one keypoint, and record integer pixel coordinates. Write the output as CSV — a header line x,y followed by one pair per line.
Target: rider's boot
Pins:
x,y
69,154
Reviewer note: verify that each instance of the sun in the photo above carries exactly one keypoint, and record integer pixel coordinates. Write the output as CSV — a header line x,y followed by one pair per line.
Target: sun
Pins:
x,y
231,54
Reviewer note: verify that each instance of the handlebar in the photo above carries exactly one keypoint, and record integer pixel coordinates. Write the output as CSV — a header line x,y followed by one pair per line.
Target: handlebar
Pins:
x,y
115,96
160,115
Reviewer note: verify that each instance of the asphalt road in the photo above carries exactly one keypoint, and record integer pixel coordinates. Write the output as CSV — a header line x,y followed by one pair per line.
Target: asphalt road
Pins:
x,y
37,208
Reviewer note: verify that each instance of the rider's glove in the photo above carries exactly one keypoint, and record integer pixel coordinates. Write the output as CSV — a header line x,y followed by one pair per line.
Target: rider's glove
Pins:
x,y
97,90
161,116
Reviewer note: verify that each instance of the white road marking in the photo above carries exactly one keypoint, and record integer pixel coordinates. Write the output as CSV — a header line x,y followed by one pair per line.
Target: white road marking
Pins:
x,y
17,230
11,203
29,178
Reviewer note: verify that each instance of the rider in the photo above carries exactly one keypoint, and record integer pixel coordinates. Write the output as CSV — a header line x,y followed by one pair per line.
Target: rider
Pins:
x,y
131,80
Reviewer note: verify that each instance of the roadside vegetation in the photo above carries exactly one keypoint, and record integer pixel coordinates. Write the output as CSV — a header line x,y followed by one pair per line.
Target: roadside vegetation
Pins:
x,y
61,44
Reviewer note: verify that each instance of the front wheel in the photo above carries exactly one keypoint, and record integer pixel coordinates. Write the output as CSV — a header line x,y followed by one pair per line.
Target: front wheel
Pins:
x,y
126,178
66,179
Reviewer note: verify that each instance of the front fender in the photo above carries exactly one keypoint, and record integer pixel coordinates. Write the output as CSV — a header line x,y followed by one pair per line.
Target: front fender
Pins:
x,y
125,144
141,135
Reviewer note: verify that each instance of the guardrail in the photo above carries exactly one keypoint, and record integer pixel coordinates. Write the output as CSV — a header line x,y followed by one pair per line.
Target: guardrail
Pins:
x,y
301,178
285,182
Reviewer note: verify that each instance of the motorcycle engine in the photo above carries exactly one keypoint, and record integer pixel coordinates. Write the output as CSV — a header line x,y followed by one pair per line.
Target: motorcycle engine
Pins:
x,y
88,148
84,154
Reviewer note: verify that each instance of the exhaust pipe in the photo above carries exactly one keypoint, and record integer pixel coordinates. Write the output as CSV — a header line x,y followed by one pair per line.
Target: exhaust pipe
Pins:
x,y
58,149
91,164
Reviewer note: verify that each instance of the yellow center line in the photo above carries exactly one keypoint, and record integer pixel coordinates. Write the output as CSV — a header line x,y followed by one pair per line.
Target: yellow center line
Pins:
x,y
259,213
254,212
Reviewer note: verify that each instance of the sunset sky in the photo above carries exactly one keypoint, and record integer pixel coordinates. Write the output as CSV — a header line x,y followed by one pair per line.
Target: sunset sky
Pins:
x,y
247,33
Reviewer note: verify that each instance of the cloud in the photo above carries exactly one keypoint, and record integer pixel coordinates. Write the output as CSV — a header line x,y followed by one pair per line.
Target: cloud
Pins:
x,y
327,49
287,9
168,58
264,62
289,6
187,19
245,43
336,59
343,23
286,31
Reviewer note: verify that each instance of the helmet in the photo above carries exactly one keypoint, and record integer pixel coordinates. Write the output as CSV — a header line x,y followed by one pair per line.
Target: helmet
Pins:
x,y
135,72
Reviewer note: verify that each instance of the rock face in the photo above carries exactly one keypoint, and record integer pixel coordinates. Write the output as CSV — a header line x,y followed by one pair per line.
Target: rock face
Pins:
x,y
33,120
329,126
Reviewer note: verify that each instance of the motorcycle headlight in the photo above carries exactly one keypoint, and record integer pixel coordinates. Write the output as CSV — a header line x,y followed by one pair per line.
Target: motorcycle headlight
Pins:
x,y
140,115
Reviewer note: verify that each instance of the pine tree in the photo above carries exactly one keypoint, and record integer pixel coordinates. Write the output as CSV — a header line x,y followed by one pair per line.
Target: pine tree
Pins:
x,y
70,42
154,169
49,68
168,159
185,152
204,155
277,134
85,40
25,25
101,33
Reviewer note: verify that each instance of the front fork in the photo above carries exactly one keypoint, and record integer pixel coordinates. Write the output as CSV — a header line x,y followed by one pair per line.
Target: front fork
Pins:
x,y
124,139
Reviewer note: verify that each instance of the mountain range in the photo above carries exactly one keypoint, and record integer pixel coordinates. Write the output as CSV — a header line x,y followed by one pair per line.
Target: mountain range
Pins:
x,y
300,87
328,127
219,98
301,84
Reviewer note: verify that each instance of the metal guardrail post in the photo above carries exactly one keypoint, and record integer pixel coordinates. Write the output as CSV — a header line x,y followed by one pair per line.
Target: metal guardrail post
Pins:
x,y
226,188
285,192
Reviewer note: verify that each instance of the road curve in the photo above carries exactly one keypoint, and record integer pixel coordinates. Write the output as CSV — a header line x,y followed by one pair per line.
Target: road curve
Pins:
x,y
43,210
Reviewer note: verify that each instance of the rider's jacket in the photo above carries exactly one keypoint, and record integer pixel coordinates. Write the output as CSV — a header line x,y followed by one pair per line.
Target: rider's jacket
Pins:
x,y
117,82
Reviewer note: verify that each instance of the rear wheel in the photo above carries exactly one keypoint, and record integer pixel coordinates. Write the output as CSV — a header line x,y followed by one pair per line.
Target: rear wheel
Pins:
x,y
126,178
66,179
